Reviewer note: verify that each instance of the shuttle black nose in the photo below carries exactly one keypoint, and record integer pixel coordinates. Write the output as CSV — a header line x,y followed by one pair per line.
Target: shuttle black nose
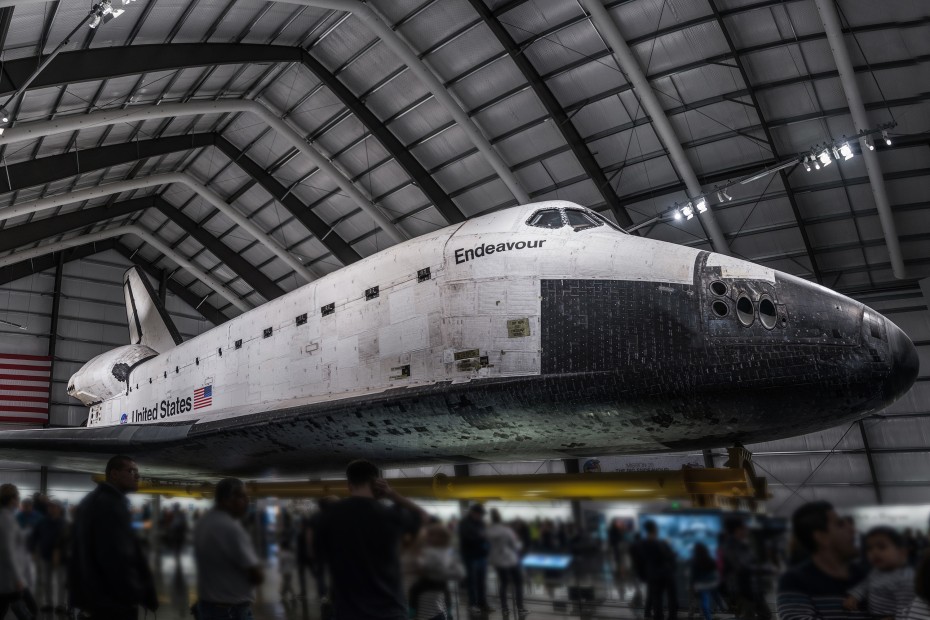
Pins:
x,y
904,362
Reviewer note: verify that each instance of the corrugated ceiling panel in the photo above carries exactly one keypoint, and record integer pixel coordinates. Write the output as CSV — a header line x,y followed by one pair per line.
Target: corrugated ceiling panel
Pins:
x,y
425,119
196,26
26,29
369,68
600,115
423,222
530,143
636,19
240,16
510,114
537,16
565,47
463,172
472,48
343,43
650,174
484,198
625,145
587,81
290,88
442,148
494,80
396,95
437,22
348,131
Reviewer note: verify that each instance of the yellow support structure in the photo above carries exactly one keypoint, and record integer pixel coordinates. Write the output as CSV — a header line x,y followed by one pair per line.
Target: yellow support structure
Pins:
x,y
686,483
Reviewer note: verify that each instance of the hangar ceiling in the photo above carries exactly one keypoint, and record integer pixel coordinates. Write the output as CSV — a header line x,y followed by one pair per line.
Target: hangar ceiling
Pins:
x,y
745,85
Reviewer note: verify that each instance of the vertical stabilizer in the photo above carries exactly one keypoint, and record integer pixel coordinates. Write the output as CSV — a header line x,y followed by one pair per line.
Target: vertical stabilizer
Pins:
x,y
149,323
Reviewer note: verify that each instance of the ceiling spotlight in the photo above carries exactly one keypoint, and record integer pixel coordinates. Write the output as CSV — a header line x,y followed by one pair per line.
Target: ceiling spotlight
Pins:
x,y
868,143
701,205
726,195
720,197
846,151
94,22
885,136
4,115
687,211
807,166
677,214
825,158
836,153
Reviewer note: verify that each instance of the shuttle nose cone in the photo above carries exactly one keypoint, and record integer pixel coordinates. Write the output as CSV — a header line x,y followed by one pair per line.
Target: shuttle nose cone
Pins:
x,y
904,362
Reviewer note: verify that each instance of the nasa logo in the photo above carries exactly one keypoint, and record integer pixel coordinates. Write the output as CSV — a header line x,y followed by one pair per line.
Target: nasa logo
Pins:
x,y
124,418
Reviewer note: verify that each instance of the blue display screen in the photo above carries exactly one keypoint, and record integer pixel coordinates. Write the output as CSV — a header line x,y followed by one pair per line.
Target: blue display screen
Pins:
x,y
547,561
683,530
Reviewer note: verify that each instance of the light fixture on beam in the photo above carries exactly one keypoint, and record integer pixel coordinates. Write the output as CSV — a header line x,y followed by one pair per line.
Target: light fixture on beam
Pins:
x,y
687,211
868,143
807,166
886,137
846,151
836,153
701,205
824,158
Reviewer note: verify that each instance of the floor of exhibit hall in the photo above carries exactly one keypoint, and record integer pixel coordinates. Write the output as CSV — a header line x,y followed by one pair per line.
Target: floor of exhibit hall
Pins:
x,y
177,590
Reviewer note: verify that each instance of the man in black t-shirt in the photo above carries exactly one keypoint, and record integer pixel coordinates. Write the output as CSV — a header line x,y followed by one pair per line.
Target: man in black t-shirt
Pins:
x,y
816,588
359,539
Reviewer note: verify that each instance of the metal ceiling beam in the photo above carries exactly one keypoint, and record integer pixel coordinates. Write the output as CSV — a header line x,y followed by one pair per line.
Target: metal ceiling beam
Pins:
x,y
379,130
52,168
368,15
831,24
629,64
113,62
108,63
146,236
768,136
320,229
118,187
29,131
56,167
26,268
33,232
563,122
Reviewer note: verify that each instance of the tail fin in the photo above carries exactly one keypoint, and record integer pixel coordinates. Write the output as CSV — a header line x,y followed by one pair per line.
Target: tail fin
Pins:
x,y
149,323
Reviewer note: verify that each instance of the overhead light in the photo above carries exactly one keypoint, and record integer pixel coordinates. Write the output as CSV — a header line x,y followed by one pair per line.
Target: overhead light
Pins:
x,y
94,22
885,136
720,197
836,153
687,211
4,115
807,166
701,205
726,195
868,143
825,158
677,214
846,151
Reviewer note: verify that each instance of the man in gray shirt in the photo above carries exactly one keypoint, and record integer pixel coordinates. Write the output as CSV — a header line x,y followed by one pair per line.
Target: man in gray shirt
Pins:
x,y
228,568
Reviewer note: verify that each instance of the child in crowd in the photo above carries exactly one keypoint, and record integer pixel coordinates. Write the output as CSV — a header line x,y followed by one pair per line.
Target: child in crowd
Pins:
x,y
889,589
436,565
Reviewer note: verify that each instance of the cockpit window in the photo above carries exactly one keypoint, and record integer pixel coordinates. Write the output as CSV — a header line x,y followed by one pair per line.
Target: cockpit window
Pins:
x,y
547,218
579,220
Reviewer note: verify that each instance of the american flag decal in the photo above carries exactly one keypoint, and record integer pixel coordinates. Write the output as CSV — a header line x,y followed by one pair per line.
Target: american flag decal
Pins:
x,y
24,388
203,397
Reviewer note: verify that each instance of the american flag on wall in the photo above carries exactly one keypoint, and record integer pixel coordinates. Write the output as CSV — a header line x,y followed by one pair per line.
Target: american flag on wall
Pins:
x,y
24,388
203,397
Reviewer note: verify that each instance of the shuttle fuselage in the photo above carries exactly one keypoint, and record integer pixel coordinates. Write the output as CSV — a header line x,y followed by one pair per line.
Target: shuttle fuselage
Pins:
x,y
536,332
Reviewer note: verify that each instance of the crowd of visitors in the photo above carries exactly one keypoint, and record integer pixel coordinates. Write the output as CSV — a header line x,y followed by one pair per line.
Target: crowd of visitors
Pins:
x,y
376,554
